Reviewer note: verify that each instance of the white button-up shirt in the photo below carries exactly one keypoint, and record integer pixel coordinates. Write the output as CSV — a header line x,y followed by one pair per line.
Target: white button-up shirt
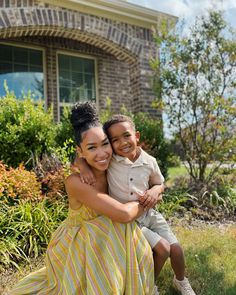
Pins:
x,y
127,180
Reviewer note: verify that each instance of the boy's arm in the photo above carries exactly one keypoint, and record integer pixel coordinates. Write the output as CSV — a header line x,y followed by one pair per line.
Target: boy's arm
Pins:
x,y
152,196
156,183
86,175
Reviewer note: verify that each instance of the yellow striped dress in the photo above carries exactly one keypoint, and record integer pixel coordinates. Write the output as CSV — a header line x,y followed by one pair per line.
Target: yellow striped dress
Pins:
x,y
89,254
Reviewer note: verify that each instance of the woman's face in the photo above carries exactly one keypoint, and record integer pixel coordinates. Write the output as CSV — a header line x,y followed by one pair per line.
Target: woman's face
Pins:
x,y
95,148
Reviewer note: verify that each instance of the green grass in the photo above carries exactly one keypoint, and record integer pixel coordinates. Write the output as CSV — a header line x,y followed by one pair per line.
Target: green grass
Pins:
x,y
175,172
210,261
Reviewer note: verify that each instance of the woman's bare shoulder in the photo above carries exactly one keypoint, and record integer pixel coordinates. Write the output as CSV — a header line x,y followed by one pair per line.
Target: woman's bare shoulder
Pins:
x,y
73,179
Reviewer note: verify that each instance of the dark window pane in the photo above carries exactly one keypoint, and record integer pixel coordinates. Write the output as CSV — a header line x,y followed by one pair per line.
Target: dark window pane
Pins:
x,y
89,81
75,94
91,95
64,62
5,67
77,64
77,79
35,58
65,78
20,68
89,66
34,68
5,53
20,55
65,94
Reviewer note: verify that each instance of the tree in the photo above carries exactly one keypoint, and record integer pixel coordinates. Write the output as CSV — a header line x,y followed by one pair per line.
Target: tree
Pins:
x,y
195,82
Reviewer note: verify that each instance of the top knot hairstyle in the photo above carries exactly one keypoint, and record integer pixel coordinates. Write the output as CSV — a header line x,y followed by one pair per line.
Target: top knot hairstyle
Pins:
x,y
119,118
83,117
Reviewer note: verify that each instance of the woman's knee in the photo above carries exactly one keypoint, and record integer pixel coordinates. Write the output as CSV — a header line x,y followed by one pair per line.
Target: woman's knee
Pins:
x,y
162,248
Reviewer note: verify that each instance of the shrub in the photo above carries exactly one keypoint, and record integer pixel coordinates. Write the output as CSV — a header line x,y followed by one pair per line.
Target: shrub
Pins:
x,y
175,201
173,160
152,139
26,130
64,129
25,229
18,184
220,195
214,201
53,185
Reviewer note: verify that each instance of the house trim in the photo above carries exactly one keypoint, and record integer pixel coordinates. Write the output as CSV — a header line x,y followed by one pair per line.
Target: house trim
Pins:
x,y
117,10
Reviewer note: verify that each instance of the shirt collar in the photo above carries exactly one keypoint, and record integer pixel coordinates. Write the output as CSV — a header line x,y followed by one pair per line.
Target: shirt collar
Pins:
x,y
139,162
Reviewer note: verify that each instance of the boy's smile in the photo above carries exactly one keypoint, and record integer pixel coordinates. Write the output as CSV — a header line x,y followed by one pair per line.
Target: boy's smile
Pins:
x,y
124,140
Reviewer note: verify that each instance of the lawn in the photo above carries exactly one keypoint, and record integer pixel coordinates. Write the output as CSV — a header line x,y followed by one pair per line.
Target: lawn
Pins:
x,y
175,172
210,260
209,251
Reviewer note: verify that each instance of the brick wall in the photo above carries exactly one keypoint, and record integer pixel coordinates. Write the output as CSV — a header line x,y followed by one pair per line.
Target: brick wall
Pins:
x,y
122,50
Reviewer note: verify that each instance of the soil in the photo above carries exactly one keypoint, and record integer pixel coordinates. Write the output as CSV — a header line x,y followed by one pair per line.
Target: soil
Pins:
x,y
9,276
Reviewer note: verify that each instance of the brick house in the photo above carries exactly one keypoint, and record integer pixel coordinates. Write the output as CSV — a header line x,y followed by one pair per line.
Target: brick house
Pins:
x,y
71,50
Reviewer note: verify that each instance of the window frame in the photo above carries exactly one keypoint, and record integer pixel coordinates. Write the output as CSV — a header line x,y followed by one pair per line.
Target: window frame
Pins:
x,y
75,54
43,50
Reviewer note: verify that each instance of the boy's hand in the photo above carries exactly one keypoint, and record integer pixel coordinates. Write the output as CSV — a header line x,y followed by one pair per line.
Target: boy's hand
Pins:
x,y
74,168
85,173
87,177
151,197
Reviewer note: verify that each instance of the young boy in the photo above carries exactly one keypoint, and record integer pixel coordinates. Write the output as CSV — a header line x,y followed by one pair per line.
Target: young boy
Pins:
x,y
135,175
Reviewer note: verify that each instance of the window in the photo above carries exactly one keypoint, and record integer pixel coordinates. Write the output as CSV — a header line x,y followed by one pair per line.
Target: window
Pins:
x,y
22,68
76,80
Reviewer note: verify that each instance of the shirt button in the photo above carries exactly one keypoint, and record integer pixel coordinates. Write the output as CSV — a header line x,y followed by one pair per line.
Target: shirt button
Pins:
x,y
131,193
131,179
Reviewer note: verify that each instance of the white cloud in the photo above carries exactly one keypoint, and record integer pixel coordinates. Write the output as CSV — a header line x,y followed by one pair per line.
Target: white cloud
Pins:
x,y
189,9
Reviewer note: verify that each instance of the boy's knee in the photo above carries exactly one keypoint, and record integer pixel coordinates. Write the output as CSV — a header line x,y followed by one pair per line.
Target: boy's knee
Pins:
x,y
162,248
176,249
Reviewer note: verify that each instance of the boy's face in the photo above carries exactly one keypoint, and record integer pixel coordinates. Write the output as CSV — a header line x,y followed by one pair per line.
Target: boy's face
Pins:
x,y
124,140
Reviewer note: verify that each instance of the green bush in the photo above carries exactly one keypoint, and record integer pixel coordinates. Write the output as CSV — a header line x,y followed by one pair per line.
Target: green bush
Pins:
x,y
152,139
220,194
176,200
25,229
173,160
26,130
64,129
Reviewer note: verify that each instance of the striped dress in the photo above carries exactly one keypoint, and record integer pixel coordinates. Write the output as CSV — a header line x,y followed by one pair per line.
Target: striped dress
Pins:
x,y
89,254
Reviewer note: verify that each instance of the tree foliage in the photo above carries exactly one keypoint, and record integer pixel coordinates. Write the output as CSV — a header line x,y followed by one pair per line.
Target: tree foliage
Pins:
x,y
195,82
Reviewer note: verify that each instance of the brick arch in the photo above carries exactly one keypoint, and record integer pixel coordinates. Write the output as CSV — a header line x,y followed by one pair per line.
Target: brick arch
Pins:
x,y
16,22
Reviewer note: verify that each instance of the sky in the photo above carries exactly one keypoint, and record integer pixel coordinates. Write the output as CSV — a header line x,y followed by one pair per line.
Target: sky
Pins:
x,y
188,9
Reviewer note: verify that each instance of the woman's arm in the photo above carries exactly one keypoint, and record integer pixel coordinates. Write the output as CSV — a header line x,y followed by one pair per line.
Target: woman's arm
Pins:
x,y
102,203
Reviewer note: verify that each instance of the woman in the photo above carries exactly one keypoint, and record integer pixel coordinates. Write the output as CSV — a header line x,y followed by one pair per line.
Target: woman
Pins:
x,y
97,249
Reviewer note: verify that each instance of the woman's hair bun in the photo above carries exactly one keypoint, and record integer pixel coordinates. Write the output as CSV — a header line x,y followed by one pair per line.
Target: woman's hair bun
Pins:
x,y
83,117
83,113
